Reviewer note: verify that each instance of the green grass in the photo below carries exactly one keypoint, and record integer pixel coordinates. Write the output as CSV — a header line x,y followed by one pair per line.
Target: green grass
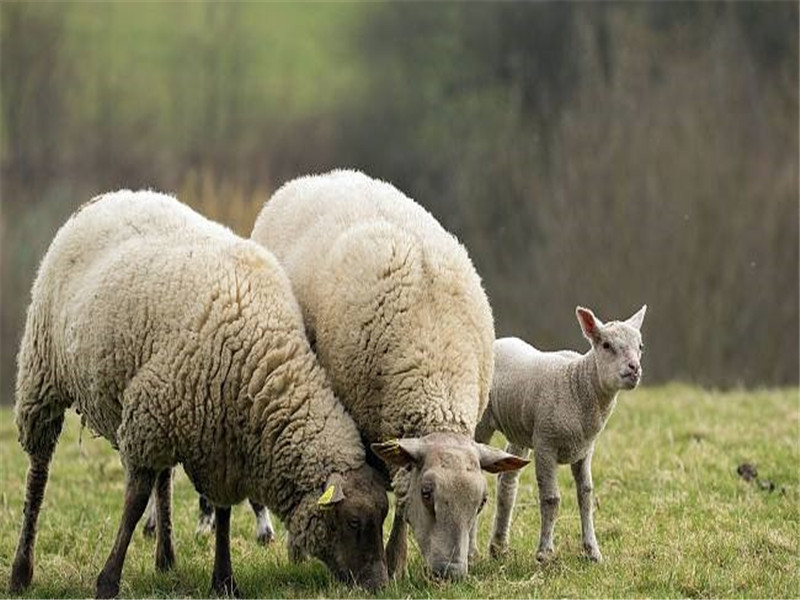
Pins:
x,y
674,519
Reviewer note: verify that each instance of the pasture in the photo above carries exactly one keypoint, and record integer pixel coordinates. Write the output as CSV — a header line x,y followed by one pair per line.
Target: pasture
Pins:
x,y
673,518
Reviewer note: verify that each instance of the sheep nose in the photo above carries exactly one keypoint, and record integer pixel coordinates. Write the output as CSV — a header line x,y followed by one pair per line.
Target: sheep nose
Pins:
x,y
634,367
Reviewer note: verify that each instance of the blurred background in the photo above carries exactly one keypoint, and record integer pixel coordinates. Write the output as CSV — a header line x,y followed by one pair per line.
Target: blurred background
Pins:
x,y
604,154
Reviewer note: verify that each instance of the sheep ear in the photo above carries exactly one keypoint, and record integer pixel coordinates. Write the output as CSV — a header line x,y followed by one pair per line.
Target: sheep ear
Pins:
x,y
636,320
494,460
399,453
333,492
590,325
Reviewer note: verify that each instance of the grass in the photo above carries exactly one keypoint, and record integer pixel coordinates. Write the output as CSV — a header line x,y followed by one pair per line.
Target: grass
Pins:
x,y
674,519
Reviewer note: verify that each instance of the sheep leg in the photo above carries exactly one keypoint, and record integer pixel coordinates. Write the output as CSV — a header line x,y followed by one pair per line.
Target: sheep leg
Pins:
x,y
222,581
507,484
22,569
265,533
39,418
397,546
549,499
205,520
582,472
137,492
165,554
149,529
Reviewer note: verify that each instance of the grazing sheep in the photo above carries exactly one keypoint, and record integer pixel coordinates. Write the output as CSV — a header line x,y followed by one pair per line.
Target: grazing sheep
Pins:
x,y
265,533
403,327
180,342
557,403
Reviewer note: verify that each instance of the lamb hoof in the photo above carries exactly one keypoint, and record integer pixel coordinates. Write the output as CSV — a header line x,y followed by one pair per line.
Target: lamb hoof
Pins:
x,y
21,576
498,549
593,553
546,555
225,587
106,587
265,537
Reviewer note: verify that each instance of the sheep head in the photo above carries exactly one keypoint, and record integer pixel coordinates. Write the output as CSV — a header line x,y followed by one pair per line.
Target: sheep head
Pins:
x,y
617,348
342,525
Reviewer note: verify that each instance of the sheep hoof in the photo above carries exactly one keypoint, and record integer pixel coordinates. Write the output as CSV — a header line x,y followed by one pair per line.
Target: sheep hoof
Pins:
x,y
21,576
265,537
225,587
106,587
205,525
165,560
149,529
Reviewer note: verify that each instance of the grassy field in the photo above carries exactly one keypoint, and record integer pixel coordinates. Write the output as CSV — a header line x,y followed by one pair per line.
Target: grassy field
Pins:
x,y
673,520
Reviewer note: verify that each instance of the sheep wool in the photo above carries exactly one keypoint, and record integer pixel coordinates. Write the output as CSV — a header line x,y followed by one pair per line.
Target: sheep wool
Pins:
x,y
180,342
390,298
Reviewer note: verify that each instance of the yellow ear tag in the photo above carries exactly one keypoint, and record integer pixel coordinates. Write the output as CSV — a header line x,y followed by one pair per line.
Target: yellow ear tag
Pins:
x,y
324,501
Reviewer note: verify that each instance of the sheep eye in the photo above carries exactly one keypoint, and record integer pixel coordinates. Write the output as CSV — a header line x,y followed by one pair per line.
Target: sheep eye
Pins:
x,y
641,347
607,346
353,522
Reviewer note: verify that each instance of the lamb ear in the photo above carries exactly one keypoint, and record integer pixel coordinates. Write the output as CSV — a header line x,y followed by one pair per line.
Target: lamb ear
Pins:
x,y
399,453
333,493
590,325
494,460
636,320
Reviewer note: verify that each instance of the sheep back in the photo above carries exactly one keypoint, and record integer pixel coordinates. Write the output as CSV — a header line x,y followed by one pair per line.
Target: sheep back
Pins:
x,y
398,313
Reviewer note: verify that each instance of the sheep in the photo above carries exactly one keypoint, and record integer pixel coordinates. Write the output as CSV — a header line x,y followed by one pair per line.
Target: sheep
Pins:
x,y
265,532
180,342
400,321
557,403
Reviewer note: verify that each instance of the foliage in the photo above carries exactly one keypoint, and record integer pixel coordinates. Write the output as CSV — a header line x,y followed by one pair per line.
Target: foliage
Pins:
x,y
608,154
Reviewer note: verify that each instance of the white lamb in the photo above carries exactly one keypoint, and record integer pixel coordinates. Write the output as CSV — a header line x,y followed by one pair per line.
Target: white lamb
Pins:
x,y
557,403
180,342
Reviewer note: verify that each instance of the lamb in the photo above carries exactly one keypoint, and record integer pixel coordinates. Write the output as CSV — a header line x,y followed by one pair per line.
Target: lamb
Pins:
x,y
265,532
180,342
401,323
557,403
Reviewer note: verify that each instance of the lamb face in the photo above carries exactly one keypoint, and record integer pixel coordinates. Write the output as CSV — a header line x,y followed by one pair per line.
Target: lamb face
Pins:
x,y
617,347
446,491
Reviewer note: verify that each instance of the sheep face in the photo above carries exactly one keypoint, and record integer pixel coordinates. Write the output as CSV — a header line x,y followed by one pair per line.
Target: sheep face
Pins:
x,y
617,348
350,514
445,492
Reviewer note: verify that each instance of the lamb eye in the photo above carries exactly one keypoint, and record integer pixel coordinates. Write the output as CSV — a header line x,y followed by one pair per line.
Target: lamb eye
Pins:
x,y
607,346
641,347
427,494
